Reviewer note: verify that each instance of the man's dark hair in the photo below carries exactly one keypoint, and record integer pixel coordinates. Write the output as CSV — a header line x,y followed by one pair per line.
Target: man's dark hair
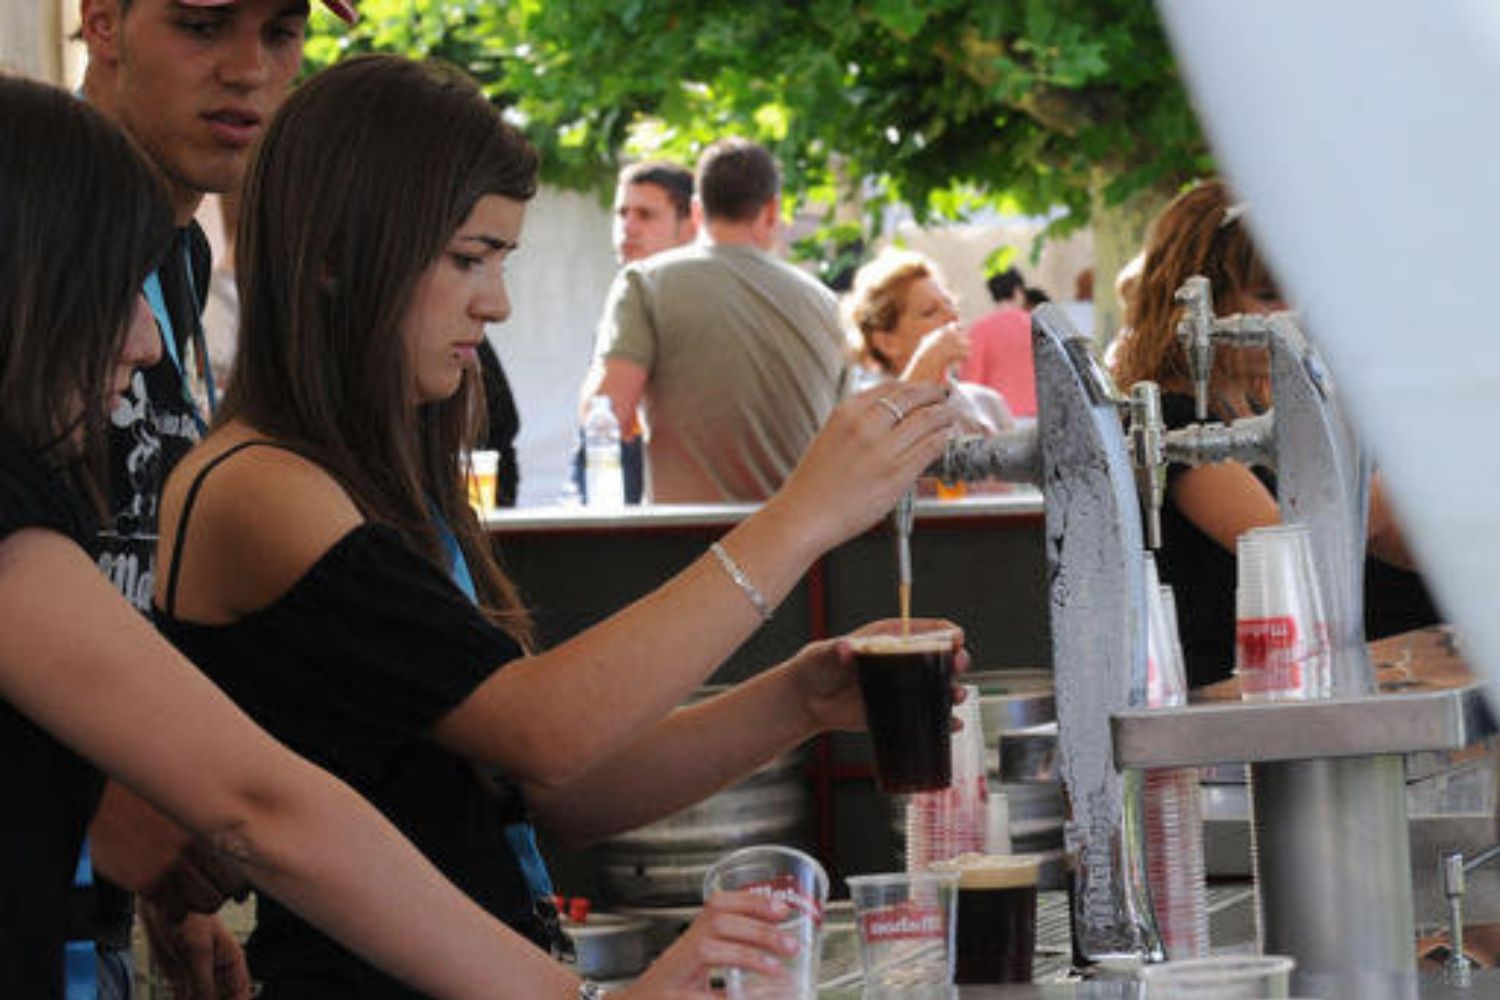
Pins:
x,y
1036,297
1003,285
674,179
736,178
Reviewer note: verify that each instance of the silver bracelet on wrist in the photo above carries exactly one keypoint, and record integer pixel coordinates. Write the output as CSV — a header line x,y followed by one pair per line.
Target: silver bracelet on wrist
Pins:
x,y
590,990
742,581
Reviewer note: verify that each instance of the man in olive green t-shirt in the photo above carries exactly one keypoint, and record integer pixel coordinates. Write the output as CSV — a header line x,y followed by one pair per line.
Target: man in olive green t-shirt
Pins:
x,y
735,357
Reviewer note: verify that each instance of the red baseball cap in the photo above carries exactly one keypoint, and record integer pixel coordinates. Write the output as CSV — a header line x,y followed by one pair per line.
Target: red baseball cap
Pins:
x,y
344,9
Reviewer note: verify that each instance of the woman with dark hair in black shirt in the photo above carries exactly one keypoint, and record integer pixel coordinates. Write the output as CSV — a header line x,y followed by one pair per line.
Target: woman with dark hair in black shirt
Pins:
x,y
325,568
84,681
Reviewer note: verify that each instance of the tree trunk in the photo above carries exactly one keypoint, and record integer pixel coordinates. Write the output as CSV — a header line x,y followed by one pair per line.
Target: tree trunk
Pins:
x,y
1119,233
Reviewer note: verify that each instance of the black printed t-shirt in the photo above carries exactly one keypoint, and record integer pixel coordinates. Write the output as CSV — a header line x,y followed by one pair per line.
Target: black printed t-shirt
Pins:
x,y
153,429
351,668
1204,574
47,792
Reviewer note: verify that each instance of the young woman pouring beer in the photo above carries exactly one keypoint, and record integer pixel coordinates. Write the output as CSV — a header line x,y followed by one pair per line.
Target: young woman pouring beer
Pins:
x,y
325,569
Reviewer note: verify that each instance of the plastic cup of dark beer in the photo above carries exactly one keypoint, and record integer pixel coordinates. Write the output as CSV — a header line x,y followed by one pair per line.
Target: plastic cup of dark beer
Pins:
x,y
907,686
996,917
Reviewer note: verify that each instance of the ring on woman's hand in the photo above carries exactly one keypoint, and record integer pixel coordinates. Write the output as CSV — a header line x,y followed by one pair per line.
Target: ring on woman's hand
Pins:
x,y
897,413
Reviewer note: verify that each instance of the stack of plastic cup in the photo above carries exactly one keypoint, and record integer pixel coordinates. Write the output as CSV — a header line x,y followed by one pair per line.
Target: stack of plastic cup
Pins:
x,y
954,820
1281,646
1172,807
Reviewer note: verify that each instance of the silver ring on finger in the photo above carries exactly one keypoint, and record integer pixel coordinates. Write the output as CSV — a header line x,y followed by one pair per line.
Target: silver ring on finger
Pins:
x,y
897,413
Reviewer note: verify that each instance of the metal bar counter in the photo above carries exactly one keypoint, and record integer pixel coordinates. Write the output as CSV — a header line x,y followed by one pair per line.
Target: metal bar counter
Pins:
x,y
1016,501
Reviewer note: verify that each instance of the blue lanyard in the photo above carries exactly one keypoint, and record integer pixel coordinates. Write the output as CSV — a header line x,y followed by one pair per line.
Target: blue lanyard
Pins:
x,y
158,303
520,836
80,958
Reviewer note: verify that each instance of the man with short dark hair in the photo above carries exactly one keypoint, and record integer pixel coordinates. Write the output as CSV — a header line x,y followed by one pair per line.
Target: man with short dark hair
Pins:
x,y
735,357
653,214
653,210
194,83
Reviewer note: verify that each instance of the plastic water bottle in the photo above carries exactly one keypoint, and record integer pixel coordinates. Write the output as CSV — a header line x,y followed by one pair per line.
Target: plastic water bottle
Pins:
x,y
604,480
1173,805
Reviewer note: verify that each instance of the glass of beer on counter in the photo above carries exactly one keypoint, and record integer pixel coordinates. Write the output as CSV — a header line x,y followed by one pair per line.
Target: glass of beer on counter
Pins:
x,y
906,682
996,917
483,476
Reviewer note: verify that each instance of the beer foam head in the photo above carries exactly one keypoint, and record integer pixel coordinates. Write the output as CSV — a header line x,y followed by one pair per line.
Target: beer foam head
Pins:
x,y
896,645
992,871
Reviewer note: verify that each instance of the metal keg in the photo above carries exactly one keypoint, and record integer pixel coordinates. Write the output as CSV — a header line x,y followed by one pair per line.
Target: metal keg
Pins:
x,y
663,863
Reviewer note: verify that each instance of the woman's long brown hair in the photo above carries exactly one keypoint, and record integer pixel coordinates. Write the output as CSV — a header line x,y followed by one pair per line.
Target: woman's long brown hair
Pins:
x,y
359,184
1200,232
83,219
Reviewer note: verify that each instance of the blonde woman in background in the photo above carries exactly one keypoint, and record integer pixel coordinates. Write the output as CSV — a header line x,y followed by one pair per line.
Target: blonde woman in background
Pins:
x,y
905,326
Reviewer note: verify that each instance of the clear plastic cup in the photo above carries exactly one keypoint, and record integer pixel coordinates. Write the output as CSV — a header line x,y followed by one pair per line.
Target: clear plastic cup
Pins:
x,y
1166,677
1222,977
795,877
906,923
1280,632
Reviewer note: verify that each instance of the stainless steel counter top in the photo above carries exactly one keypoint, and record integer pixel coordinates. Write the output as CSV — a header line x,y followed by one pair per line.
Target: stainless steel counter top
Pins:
x,y
1231,732
1231,928
1018,501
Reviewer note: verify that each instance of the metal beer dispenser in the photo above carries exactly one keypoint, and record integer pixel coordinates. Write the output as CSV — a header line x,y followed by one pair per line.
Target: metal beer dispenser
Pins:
x,y
1076,454
1328,776
1329,804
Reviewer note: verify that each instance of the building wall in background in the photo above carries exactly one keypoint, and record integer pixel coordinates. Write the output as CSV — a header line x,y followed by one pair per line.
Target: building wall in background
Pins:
x,y
31,38
557,284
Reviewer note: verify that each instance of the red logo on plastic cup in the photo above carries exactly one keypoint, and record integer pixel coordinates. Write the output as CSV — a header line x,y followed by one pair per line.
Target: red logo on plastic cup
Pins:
x,y
1267,655
902,922
787,889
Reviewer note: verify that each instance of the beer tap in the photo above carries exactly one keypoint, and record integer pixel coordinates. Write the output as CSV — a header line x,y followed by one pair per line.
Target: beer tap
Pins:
x,y
902,516
1322,472
1076,452
1308,797
1010,456
1146,432
1195,331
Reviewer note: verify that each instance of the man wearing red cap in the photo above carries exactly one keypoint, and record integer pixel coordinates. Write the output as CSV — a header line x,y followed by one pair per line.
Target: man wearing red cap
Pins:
x,y
195,83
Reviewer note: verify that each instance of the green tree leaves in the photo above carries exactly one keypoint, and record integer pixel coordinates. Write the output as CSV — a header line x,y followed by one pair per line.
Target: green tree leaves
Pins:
x,y
941,104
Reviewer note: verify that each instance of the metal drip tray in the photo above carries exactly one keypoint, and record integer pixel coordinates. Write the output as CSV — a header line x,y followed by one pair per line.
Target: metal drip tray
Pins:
x,y
1257,732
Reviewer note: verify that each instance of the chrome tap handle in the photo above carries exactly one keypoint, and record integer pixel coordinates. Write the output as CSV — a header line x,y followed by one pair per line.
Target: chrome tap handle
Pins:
x,y
1196,332
1146,454
1010,456
902,517
1250,440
